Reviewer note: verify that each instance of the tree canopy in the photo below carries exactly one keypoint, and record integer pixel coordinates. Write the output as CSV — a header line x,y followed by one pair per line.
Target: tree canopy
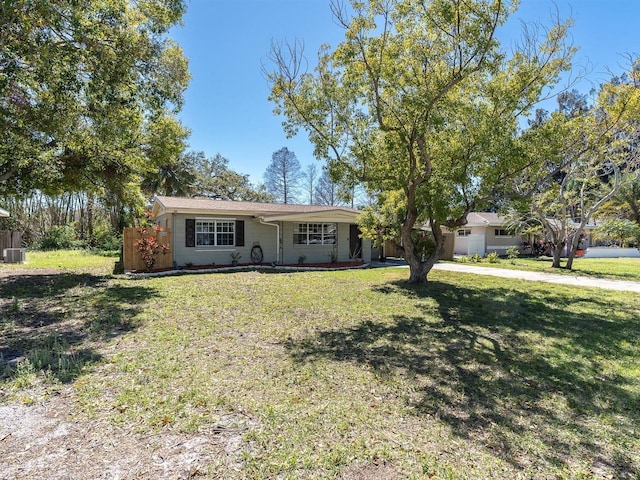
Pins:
x,y
419,99
578,158
193,174
88,91
214,178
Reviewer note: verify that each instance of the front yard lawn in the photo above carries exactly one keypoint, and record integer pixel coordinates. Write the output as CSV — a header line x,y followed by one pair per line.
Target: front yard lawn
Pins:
x,y
349,374
65,260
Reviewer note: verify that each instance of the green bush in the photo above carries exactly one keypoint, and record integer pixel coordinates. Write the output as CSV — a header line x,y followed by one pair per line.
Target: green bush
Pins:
x,y
476,258
108,241
513,253
59,237
492,257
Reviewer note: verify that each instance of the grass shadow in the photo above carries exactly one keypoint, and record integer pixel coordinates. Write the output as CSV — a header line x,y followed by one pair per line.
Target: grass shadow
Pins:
x,y
54,323
619,275
518,373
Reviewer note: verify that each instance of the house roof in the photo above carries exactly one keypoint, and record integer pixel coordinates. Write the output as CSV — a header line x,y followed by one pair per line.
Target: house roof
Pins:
x,y
490,219
483,219
265,211
3,213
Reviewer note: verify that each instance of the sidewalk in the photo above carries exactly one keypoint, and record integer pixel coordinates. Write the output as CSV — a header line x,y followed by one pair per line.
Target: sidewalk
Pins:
x,y
576,280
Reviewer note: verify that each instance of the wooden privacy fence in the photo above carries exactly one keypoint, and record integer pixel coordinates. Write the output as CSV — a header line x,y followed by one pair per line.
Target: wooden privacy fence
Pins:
x,y
10,239
131,258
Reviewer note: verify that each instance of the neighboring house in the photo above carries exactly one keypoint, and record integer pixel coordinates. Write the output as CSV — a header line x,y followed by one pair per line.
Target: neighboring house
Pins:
x,y
485,232
3,213
206,231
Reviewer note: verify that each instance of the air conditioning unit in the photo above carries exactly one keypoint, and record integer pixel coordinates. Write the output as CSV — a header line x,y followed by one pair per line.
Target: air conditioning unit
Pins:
x,y
15,255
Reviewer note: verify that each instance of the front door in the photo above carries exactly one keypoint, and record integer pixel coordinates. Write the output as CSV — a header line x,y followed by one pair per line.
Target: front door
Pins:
x,y
355,242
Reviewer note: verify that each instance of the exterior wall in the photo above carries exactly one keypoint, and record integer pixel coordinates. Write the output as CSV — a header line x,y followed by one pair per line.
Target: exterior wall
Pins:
x,y
320,253
254,231
500,244
265,235
366,250
462,243
492,243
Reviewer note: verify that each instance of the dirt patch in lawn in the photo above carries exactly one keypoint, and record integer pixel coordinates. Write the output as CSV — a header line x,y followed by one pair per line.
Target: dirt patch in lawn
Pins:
x,y
42,435
26,273
44,441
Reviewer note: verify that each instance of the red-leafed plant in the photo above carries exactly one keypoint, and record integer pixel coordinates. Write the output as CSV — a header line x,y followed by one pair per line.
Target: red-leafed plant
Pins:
x,y
149,247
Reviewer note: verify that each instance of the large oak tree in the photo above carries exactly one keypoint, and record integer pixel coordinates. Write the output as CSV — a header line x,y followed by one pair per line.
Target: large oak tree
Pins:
x,y
84,87
419,99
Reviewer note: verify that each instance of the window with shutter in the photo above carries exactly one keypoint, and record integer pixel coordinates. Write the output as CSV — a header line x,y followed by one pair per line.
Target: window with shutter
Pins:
x,y
213,232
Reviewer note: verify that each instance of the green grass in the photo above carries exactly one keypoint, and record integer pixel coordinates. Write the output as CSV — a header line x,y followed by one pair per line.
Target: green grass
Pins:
x,y
616,268
67,260
354,373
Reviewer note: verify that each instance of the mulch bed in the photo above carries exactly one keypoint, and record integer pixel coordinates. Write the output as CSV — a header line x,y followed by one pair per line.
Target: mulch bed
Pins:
x,y
241,266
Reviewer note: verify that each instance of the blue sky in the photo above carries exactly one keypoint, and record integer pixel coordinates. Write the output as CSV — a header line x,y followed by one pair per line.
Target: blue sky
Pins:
x,y
227,42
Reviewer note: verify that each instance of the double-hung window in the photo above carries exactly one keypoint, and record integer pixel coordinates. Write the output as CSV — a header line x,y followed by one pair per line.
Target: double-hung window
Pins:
x,y
213,232
315,233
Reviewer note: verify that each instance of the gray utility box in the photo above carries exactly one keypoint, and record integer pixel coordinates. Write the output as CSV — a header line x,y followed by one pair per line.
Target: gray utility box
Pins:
x,y
14,255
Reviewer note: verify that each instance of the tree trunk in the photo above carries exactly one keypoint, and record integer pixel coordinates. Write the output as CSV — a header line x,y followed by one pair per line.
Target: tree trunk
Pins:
x,y
557,254
418,271
418,268
571,253
90,207
575,241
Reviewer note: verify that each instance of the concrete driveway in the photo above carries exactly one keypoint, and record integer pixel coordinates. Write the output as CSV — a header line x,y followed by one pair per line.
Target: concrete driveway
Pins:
x,y
576,280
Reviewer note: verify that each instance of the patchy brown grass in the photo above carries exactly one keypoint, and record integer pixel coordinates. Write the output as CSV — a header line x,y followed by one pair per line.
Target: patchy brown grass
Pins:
x,y
351,374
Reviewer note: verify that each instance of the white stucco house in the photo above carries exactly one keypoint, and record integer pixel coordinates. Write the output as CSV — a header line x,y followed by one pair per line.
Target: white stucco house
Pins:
x,y
3,213
485,232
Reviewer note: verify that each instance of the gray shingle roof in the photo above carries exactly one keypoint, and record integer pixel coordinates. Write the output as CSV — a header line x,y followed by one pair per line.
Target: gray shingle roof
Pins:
x,y
250,208
484,219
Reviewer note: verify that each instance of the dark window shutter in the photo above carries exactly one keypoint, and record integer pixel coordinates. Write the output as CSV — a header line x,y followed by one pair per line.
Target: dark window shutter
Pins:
x,y
239,233
190,232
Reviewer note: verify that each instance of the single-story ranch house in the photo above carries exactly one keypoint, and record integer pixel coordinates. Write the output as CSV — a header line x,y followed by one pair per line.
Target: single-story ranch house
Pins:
x,y
486,232
208,231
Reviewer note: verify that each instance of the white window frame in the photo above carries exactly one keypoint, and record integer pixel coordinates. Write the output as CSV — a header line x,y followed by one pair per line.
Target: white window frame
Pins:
x,y
320,231
465,232
218,225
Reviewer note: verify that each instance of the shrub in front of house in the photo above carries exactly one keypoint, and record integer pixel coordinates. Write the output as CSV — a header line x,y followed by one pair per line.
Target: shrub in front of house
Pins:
x,y
493,257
